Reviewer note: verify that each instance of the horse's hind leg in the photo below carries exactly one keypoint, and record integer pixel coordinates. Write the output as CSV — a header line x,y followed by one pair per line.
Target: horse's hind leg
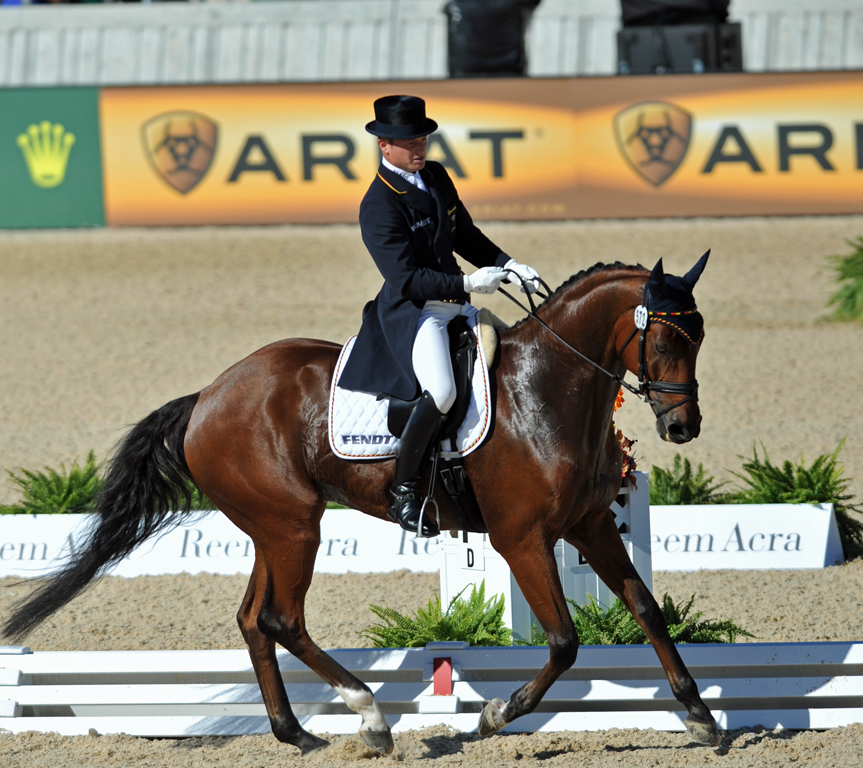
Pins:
x,y
597,539
289,566
262,650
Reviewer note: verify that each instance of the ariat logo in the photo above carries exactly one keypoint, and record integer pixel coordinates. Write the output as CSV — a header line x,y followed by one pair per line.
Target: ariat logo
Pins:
x,y
653,137
46,149
180,146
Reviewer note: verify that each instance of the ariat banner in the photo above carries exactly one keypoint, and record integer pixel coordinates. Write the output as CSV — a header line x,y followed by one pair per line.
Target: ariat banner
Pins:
x,y
724,145
268,154
619,147
50,165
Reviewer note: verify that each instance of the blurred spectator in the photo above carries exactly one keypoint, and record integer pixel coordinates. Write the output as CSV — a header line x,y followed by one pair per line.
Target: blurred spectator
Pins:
x,y
486,37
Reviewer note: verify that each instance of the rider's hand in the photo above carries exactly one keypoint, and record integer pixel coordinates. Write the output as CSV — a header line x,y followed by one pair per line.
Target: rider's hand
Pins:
x,y
529,276
485,280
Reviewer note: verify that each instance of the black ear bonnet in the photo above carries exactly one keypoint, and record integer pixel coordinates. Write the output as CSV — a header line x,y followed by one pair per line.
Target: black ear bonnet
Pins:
x,y
669,300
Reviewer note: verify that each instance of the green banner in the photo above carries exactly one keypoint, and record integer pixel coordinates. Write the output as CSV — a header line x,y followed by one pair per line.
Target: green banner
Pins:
x,y
50,159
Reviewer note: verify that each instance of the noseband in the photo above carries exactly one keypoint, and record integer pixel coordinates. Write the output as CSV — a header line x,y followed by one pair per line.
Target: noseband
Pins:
x,y
645,384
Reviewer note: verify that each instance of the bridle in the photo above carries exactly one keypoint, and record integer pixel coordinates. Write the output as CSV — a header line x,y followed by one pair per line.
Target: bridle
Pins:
x,y
646,385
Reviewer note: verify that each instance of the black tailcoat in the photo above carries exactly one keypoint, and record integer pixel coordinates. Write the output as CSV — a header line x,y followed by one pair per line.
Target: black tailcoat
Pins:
x,y
411,236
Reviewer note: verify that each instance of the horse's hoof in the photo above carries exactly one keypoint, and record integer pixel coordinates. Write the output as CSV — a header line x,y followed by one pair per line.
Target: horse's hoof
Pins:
x,y
309,743
491,718
380,741
703,733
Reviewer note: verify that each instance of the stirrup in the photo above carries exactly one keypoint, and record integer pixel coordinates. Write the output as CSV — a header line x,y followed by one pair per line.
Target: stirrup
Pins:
x,y
418,534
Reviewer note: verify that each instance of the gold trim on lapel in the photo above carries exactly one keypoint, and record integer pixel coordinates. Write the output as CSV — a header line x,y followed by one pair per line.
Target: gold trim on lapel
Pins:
x,y
390,185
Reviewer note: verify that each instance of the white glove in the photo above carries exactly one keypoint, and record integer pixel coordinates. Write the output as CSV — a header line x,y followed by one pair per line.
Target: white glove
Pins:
x,y
485,280
527,274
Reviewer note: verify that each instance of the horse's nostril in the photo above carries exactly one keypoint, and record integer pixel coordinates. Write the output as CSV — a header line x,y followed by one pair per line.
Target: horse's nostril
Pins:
x,y
679,433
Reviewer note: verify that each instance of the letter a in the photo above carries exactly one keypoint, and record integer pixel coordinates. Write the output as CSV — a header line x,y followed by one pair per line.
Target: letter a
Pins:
x,y
268,165
735,535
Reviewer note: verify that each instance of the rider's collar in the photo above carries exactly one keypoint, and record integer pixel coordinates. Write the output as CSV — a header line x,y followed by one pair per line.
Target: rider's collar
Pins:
x,y
411,178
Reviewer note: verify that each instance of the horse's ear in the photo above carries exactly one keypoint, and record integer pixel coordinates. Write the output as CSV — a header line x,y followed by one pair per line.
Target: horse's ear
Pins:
x,y
657,278
692,276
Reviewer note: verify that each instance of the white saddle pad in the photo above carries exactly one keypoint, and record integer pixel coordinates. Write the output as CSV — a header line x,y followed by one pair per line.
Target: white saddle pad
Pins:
x,y
358,421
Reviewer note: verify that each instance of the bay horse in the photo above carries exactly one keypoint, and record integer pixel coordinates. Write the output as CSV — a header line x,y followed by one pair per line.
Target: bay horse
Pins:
x,y
255,442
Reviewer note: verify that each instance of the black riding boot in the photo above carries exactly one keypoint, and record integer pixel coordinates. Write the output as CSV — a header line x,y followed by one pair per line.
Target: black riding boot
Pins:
x,y
405,497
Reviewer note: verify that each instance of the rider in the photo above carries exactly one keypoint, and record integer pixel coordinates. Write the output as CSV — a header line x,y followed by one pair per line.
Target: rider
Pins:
x,y
411,221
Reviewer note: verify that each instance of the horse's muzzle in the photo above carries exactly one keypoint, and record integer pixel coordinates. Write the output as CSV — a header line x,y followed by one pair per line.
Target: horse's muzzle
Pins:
x,y
675,430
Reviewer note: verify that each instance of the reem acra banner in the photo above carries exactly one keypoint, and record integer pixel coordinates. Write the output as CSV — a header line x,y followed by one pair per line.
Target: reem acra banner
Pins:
x,y
689,145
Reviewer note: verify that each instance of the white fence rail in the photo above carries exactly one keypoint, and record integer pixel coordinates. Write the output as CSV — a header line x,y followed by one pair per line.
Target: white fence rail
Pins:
x,y
191,693
344,40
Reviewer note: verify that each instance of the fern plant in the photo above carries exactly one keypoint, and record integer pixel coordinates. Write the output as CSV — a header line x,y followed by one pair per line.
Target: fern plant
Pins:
x,y
475,620
680,485
616,626
56,493
684,628
819,483
75,491
612,627
848,300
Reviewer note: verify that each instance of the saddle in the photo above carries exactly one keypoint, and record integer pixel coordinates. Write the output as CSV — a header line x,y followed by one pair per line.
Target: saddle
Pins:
x,y
450,471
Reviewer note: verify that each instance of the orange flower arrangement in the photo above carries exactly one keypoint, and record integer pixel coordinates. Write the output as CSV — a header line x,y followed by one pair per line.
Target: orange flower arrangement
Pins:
x,y
626,445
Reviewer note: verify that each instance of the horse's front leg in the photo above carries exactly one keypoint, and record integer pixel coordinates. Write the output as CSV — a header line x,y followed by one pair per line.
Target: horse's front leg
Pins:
x,y
597,539
532,562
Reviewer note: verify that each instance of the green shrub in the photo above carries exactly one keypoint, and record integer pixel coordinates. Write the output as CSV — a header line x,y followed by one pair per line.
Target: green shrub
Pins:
x,y
199,498
819,483
73,492
848,300
56,493
616,626
680,486
474,620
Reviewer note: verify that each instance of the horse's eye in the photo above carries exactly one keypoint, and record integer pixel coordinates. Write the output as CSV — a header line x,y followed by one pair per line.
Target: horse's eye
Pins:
x,y
662,348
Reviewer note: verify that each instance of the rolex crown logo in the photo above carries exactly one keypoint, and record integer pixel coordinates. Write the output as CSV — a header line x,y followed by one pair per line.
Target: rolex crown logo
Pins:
x,y
653,137
46,150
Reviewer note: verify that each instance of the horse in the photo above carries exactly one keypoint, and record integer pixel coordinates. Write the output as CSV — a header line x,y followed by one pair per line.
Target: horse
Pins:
x,y
255,442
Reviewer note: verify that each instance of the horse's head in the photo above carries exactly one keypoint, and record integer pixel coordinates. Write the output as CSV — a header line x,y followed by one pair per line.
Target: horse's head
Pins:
x,y
670,331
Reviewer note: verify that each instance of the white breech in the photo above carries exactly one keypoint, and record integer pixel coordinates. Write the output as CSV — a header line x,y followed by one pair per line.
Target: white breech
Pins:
x,y
430,357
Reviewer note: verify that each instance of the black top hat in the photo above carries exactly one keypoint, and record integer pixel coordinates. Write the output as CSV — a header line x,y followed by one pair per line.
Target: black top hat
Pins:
x,y
401,117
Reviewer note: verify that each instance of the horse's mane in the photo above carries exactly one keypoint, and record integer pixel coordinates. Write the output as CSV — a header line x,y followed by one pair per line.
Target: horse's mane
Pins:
x,y
579,277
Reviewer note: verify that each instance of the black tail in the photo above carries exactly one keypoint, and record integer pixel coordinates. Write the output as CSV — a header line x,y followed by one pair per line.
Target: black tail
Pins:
x,y
146,491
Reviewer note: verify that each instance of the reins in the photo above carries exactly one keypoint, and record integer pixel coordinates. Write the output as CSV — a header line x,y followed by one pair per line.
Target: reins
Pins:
x,y
642,320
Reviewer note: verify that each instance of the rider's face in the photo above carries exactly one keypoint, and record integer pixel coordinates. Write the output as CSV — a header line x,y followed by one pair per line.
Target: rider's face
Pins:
x,y
407,154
